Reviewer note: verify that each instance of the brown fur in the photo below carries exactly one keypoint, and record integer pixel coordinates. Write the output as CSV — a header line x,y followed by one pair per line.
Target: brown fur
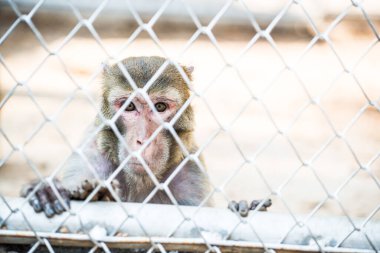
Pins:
x,y
190,185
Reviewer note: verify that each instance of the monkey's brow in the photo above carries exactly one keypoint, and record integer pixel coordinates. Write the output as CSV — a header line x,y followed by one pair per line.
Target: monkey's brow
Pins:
x,y
164,98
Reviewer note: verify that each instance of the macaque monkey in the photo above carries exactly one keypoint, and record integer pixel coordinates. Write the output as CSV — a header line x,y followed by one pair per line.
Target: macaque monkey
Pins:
x,y
136,124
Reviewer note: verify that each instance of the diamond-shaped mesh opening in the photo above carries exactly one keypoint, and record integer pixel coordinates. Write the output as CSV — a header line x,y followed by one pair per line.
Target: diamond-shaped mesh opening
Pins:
x,y
60,25
10,171
259,128
234,189
286,103
223,167
206,69
344,88
56,153
375,168
371,191
286,163
309,199
116,38
8,17
367,84
81,71
174,38
255,72
147,47
22,40
74,132
361,128
315,121
51,75
19,129
359,26
223,106
284,89
301,34
318,68
331,172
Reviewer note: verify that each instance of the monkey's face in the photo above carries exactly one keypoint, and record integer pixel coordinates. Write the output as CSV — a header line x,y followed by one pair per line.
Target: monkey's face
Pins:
x,y
138,121
141,123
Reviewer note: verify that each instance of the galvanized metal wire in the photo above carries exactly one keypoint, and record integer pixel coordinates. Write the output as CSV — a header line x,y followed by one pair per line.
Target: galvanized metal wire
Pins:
x,y
264,34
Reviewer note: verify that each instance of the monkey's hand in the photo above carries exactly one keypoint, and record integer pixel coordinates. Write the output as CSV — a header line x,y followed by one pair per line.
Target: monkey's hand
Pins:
x,y
44,199
243,208
102,193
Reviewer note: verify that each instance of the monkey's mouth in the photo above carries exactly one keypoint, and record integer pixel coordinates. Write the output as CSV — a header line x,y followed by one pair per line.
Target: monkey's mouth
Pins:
x,y
136,168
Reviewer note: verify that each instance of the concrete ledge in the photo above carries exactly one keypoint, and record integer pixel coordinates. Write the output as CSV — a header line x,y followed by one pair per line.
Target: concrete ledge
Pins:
x,y
217,226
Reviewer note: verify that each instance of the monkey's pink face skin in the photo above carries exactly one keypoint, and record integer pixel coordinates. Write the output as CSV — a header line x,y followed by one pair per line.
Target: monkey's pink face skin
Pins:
x,y
141,122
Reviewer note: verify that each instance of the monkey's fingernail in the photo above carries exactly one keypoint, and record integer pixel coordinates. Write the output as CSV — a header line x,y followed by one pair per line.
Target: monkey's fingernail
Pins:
x,y
268,203
58,208
36,205
48,209
254,204
233,206
243,208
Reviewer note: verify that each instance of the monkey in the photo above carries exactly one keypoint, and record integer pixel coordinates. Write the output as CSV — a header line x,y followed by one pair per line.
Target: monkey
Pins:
x,y
134,146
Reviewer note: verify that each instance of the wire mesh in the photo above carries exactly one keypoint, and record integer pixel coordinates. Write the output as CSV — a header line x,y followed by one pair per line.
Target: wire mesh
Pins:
x,y
280,130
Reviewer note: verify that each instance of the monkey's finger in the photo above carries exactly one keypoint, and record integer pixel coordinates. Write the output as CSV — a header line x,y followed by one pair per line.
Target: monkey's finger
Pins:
x,y
66,197
233,206
267,203
35,203
58,208
264,204
56,204
74,194
102,191
254,204
243,208
33,200
63,192
88,186
106,198
44,200
96,197
83,194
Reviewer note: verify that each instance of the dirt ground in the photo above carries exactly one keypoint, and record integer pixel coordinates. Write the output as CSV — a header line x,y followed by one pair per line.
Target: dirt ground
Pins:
x,y
253,103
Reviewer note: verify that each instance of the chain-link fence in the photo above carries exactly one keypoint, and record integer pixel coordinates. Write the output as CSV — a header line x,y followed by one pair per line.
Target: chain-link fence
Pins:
x,y
286,101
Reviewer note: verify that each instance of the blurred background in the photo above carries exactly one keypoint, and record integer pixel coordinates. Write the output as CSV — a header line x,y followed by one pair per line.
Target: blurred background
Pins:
x,y
289,92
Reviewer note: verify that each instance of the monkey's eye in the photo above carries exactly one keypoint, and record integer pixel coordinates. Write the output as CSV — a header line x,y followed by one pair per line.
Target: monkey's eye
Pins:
x,y
130,107
160,107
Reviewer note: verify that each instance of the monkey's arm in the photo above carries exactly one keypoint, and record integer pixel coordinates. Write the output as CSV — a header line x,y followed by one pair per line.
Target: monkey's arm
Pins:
x,y
190,186
78,182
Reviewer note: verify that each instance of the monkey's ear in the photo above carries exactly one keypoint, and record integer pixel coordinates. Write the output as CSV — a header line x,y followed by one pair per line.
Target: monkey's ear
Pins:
x,y
106,68
189,71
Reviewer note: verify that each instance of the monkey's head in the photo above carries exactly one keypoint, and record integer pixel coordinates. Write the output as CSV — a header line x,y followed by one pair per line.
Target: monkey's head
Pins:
x,y
138,121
